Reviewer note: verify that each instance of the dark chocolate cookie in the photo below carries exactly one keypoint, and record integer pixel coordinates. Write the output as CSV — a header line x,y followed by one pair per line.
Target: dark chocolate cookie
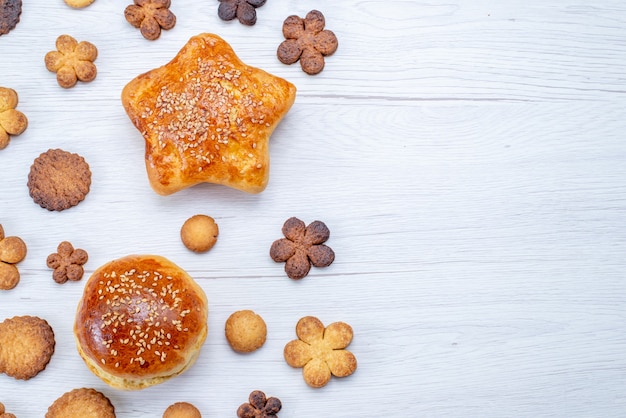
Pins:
x,y
10,11
244,10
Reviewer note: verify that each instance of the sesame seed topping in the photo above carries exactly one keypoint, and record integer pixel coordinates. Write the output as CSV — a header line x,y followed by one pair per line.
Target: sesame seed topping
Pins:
x,y
137,311
212,103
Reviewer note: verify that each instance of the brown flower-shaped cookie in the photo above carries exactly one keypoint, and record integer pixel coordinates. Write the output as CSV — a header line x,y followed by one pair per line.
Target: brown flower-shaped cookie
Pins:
x,y
244,10
12,122
150,16
258,406
301,247
67,263
12,251
307,41
72,61
321,351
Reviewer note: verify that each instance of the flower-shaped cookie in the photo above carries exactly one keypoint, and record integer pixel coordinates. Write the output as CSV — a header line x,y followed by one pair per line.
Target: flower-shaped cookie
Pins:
x,y
4,414
321,351
67,263
72,61
12,251
307,41
259,406
150,16
12,122
244,10
301,247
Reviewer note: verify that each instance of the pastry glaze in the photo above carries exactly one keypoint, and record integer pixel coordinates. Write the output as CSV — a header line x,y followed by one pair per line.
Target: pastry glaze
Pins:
x,y
207,117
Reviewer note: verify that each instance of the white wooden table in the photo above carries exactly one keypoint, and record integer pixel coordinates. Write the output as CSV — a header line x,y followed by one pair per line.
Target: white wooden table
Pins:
x,y
469,158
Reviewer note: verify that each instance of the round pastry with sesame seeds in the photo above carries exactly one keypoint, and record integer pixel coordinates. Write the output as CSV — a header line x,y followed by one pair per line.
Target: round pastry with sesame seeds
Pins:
x,y
141,321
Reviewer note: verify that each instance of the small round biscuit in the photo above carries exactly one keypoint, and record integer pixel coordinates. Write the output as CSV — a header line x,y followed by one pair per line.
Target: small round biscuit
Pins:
x,y
78,4
182,410
59,180
26,346
9,277
12,250
245,331
81,403
199,233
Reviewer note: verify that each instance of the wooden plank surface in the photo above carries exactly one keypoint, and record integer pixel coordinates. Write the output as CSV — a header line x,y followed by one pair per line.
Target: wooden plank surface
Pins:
x,y
467,156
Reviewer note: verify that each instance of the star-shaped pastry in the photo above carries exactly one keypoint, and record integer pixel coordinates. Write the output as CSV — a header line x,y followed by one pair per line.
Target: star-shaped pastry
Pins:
x,y
207,117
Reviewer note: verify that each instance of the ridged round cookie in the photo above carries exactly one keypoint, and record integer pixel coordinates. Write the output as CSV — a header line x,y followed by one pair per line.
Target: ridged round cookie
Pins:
x,y
81,403
10,11
26,346
59,180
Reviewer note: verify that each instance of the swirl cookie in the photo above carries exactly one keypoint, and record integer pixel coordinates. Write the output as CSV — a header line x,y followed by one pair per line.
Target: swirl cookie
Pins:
x,y
59,180
26,346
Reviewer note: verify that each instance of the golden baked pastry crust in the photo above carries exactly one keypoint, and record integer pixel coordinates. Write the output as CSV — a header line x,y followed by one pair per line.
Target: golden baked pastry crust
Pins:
x,y
141,320
207,117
